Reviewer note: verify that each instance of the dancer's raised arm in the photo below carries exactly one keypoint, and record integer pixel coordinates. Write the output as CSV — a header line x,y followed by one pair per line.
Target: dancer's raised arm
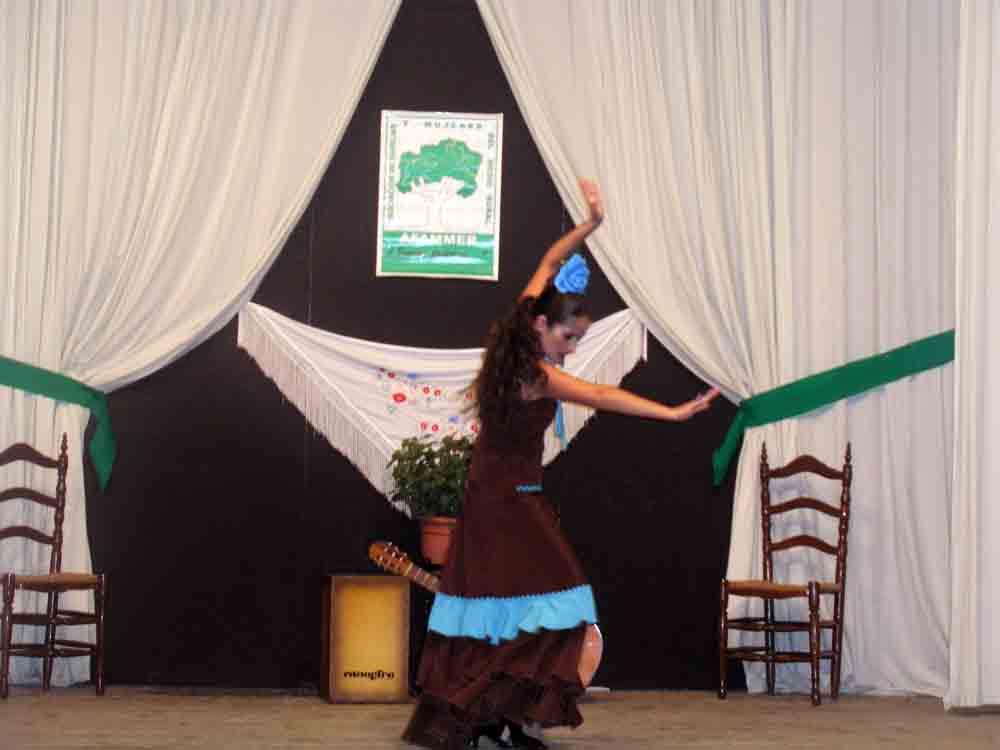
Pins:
x,y
560,250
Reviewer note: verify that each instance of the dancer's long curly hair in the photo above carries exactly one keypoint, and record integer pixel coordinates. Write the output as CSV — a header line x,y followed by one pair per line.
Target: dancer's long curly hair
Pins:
x,y
513,352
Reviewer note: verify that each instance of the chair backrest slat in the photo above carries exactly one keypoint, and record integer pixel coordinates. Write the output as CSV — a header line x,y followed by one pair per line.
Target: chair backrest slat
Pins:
x,y
805,502
28,493
26,532
804,540
806,464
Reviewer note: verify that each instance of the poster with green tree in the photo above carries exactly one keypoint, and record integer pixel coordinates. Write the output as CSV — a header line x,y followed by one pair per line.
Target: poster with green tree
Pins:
x,y
439,195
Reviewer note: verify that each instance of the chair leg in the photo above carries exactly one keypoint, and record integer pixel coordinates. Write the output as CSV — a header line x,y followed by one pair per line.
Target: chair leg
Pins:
x,y
814,640
50,640
723,638
97,658
7,634
769,645
834,664
837,638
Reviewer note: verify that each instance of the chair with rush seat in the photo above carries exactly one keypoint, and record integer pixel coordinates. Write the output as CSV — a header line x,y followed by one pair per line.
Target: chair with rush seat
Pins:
x,y
810,593
51,582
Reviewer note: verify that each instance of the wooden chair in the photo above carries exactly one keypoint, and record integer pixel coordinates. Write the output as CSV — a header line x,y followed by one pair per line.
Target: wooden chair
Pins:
x,y
52,583
769,590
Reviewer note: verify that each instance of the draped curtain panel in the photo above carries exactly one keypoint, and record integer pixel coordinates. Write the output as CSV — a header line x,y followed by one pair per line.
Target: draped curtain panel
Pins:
x,y
863,123
155,158
779,181
975,522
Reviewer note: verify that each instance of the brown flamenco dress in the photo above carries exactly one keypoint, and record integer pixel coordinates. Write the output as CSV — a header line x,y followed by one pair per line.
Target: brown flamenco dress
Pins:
x,y
507,627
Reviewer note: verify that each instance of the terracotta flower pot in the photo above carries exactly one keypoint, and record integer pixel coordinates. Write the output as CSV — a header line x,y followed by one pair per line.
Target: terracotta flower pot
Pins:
x,y
435,538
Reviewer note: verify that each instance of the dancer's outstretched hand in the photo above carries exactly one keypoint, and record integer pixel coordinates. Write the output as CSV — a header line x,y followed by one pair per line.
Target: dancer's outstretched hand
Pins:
x,y
698,404
592,193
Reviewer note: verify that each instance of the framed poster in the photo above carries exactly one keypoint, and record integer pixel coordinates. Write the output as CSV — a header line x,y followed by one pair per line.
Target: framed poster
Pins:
x,y
439,195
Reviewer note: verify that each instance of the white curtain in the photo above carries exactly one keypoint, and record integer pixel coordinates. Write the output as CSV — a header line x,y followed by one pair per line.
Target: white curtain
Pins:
x,y
975,527
778,178
155,156
617,91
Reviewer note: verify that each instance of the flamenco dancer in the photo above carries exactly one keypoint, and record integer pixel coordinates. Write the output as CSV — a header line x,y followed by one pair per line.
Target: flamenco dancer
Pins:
x,y
507,629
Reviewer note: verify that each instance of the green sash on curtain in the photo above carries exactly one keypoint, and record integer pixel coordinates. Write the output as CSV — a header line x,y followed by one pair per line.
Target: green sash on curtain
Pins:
x,y
801,396
61,388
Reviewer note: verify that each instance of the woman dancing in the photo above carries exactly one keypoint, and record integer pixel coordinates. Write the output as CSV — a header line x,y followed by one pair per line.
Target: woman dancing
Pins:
x,y
507,628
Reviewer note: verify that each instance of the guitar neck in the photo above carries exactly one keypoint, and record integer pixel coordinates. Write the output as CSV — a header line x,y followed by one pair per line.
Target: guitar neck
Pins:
x,y
420,576
389,557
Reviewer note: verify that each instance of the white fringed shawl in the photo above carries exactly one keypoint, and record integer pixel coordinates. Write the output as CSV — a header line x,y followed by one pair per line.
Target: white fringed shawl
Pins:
x,y
366,397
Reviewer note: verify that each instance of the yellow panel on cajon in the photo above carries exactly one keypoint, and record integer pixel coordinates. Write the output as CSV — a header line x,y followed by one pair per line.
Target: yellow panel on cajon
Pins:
x,y
366,639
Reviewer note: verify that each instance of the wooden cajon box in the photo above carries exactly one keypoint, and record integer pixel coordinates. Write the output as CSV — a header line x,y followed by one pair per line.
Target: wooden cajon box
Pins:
x,y
366,639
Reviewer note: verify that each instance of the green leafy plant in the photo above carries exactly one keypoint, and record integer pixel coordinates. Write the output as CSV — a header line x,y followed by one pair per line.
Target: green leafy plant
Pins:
x,y
430,476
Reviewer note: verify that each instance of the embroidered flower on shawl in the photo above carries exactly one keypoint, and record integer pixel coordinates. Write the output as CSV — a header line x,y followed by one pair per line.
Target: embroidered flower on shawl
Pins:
x,y
433,409
573,276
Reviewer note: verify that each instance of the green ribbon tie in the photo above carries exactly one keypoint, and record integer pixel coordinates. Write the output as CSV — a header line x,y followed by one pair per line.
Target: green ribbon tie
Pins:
x,y
815,391
61,388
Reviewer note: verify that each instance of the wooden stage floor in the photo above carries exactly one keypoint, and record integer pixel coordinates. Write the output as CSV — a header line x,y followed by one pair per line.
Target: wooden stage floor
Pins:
x,y
150,718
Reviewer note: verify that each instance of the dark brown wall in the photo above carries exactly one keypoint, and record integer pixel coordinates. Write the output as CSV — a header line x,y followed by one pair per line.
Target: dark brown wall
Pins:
x,y
226,511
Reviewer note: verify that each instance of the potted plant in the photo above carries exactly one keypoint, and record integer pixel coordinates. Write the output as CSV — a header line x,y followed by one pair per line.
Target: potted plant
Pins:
x,y
429,478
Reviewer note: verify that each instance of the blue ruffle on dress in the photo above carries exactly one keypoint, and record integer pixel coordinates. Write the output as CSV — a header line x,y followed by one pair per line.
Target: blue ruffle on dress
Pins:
x,y
501,618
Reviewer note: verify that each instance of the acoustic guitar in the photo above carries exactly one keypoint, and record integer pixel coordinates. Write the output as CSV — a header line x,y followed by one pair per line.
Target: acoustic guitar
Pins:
x,y
391,558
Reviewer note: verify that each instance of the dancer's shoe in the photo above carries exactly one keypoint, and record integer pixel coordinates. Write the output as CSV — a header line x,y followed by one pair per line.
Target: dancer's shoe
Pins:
x,y
493,732
519,738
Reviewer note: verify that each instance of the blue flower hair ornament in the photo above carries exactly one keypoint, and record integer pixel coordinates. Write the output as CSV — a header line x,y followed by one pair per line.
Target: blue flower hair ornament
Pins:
x,y
573,276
